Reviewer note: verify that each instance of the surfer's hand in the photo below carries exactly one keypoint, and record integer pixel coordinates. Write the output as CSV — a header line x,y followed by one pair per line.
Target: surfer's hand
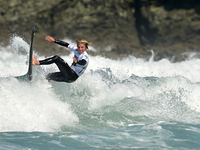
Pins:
x,y
75,60
50,39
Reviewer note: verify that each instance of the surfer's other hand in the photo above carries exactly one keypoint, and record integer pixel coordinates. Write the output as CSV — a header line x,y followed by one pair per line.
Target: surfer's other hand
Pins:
x,y
50,39
75,60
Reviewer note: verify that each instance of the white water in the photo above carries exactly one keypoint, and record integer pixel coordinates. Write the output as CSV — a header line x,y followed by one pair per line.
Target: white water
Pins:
x,y
111,93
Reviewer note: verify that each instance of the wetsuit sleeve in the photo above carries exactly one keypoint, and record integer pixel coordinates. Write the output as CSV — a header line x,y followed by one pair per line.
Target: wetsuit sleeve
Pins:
x,y
82,62
62,43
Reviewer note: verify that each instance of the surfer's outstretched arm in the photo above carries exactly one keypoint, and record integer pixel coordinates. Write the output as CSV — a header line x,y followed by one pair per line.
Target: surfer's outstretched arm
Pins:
x,y
52,40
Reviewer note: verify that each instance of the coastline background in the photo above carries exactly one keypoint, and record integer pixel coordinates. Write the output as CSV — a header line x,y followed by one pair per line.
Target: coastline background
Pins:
x,y
116,28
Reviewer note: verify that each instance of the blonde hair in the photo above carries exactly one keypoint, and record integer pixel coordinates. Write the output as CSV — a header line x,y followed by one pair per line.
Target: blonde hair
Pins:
x,y
83,41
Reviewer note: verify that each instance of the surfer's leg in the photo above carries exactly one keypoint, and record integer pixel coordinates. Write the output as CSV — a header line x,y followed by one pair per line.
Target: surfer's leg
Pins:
x,y
56,76
66,73
59,77
45,61
62,65
66,70
49,60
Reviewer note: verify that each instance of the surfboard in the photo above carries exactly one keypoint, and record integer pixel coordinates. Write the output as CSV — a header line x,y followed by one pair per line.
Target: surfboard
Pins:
x,y
28,75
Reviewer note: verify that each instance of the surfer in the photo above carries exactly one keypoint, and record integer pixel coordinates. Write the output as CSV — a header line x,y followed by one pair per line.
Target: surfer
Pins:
x,y
67,73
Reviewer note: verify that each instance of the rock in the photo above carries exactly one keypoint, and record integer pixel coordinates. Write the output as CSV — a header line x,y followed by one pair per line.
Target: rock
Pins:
x,y
116,28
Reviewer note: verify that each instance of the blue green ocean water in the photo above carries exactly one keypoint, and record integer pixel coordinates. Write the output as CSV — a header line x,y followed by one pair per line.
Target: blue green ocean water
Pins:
x,y
130,103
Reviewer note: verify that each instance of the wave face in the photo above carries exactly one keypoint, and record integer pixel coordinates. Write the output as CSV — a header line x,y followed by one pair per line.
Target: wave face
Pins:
x,y
111,93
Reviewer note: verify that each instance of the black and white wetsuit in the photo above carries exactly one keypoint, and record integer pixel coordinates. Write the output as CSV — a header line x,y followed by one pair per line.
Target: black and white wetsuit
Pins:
x,y
67,73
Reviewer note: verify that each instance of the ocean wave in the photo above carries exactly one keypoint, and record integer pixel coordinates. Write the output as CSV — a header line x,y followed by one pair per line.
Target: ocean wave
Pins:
x,y
111,93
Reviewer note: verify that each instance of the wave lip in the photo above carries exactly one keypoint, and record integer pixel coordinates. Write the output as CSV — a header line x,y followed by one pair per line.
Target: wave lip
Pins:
x,y
31,107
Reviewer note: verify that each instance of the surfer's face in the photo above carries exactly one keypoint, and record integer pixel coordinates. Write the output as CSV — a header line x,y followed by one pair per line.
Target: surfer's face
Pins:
x,y
81,48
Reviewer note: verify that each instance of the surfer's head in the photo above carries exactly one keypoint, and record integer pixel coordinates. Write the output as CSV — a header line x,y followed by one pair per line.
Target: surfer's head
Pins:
x,y
83,41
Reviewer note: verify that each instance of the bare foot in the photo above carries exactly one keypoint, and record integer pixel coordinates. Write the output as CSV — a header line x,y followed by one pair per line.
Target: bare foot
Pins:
x,y
35,61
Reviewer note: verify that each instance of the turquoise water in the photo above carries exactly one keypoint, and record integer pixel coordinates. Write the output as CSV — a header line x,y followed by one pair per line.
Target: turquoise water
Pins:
x,y
161,135
117,104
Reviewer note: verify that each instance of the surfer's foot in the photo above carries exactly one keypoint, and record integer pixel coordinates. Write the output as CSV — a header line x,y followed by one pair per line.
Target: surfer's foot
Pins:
x,y
35,61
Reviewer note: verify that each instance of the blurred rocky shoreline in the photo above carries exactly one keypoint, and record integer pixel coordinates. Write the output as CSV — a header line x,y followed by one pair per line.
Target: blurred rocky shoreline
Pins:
x,y
116,28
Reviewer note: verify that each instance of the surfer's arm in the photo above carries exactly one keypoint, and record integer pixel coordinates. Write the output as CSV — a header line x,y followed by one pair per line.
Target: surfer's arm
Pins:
x,y
80,62
51,39
62,43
